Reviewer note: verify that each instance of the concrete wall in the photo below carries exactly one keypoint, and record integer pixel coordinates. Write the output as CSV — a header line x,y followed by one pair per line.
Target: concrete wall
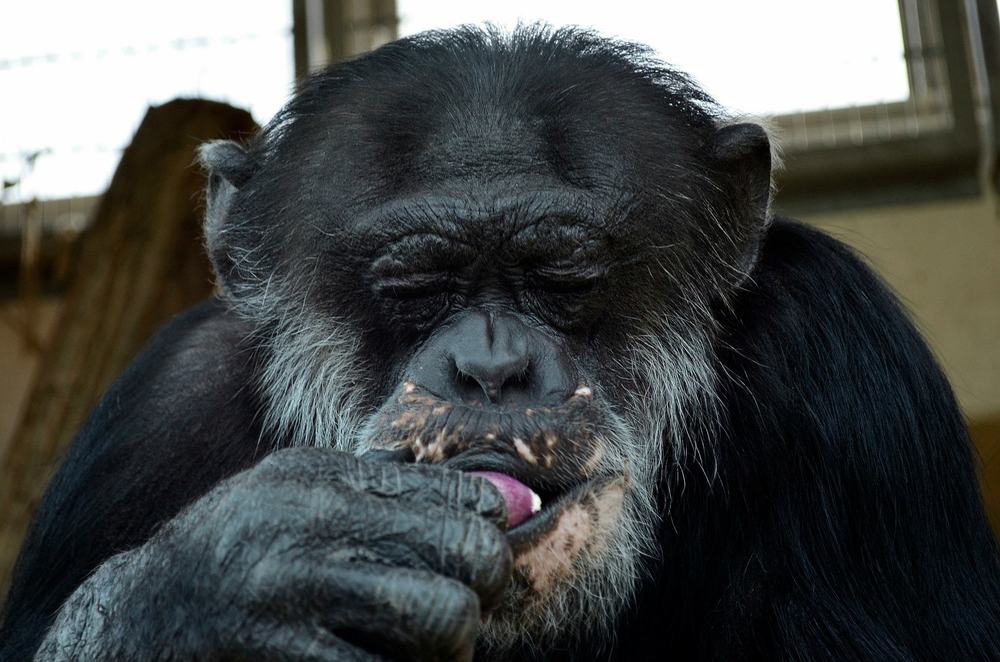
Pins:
x,y
943,260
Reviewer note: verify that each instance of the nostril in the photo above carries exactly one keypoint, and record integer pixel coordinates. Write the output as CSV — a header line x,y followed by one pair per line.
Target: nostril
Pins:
x,y
468,387
474,380
518,378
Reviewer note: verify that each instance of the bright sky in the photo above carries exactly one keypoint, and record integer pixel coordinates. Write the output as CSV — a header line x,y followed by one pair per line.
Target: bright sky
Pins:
x,y
759,56
76,77
114,58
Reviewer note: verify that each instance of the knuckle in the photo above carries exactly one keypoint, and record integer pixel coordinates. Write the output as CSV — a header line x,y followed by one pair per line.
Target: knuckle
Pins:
x,y
476,553
376,477
473,493
286,458
490,540
489,502
428,477
451,611
234,504
492,556
272,466
301,464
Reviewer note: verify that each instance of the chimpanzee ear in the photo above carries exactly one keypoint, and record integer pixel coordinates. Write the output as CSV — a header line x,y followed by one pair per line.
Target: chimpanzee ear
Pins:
x,y
229,167
743,152
226,159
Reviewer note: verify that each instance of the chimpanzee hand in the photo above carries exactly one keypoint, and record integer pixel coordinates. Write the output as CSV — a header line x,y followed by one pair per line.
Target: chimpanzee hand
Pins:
x,y
311,555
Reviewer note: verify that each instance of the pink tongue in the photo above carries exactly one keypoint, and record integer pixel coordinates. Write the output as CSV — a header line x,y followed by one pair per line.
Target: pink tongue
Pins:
x,y
522,502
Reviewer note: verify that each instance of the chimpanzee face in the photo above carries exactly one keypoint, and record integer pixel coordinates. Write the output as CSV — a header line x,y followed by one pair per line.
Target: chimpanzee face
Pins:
x,y
498,269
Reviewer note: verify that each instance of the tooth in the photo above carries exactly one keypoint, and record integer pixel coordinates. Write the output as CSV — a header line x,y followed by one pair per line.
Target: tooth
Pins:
x,y
536,503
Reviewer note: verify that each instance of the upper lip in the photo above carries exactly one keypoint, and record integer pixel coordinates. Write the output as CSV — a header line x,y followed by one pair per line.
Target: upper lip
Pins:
x,y
548,485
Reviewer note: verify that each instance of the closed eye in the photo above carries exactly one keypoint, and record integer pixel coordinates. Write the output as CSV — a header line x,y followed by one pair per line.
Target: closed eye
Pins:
x,y
412,286
567,281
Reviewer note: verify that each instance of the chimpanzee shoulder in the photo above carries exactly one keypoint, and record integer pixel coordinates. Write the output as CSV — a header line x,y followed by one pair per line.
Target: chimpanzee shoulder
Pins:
x,y
183,416
826,524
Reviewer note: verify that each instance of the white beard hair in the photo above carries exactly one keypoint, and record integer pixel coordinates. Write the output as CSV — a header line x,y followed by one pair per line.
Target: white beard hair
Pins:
x,y
314,388
312,384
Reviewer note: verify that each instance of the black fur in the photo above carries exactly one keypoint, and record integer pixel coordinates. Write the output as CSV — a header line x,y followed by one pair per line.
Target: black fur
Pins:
x,y
179,420
846,522
837,516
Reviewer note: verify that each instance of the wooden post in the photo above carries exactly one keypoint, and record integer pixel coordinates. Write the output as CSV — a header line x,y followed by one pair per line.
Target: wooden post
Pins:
x,y
140,262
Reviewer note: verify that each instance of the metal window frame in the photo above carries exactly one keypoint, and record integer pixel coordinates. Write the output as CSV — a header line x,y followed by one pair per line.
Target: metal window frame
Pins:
x,y
835,159
940,161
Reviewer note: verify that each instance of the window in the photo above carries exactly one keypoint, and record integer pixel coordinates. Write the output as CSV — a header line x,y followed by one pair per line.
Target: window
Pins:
x,y
769,57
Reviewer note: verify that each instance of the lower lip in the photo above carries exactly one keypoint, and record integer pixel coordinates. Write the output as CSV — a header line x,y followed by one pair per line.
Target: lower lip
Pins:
x,y
526,534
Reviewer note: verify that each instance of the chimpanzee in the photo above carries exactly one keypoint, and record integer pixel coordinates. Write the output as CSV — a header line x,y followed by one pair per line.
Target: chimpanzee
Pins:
x,y
512,361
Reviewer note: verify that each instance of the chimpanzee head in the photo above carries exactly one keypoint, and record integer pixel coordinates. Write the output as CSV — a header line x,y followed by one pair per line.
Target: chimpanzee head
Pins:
x,y
504,253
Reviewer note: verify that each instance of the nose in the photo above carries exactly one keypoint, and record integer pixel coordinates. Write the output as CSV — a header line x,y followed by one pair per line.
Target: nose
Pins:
x,y
494,359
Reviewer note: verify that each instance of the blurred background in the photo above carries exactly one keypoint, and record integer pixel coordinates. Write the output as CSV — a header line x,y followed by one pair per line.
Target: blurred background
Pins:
x,y
887,109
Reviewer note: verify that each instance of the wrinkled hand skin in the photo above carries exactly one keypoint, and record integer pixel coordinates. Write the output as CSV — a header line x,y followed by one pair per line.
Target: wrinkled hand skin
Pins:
x,y
311,555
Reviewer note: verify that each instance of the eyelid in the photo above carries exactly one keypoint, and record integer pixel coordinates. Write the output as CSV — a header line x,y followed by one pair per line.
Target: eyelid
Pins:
x,y
411,286
571,273
388,266
401,261
570,270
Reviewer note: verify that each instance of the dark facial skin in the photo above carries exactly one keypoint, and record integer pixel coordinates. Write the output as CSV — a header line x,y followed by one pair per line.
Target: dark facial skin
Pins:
x,y
569,236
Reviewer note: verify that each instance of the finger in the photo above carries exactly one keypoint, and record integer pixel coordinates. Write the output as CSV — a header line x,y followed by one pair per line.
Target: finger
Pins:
x,y
294,642
405,613
456,544
337,527
426,485
429,486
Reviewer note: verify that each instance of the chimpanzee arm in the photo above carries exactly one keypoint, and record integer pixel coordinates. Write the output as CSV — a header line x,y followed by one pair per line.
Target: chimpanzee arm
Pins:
x,y
180,419
142,550
847,523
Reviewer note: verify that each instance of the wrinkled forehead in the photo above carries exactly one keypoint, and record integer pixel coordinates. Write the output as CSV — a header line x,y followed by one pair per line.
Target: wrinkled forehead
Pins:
x,y
483,135
481,138
501,209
